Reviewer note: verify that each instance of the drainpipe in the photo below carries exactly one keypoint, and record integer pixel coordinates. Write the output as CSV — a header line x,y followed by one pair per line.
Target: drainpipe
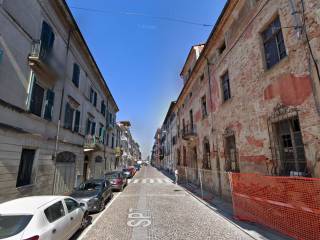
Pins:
x,y
212,122
60,111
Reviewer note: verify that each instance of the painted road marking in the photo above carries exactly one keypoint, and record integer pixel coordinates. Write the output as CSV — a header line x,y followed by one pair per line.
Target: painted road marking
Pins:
x,y
139,218
151,181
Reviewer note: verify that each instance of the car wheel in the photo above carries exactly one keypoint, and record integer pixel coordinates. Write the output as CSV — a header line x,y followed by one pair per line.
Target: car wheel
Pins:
x,y
84,221
121,189
111,196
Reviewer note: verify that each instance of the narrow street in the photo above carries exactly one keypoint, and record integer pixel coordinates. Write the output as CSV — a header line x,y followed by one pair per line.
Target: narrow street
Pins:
x,y
152,207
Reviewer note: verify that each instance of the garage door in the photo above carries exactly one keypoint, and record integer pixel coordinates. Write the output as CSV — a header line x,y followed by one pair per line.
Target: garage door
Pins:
x,y
65,173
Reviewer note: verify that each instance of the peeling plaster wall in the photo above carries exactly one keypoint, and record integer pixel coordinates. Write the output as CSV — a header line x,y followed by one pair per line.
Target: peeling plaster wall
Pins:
x,y
255,91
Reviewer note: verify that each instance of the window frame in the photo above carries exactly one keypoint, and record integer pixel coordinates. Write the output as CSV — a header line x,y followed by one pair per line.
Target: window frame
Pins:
x,y
274,35
204,106
70,211
225,98
64,211
76,67
32,169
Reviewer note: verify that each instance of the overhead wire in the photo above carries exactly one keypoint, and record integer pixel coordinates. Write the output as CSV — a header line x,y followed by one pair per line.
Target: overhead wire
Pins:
x,y
165,18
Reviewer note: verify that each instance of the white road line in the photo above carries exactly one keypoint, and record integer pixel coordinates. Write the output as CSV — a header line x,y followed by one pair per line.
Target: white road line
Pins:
x,y
144,181
159,180
151,180
84,233
167,181
136,181
129,180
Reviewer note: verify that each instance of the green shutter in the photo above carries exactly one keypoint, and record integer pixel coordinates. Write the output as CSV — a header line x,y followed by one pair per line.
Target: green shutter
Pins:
x,y
47,40
49,105
76,74
77,121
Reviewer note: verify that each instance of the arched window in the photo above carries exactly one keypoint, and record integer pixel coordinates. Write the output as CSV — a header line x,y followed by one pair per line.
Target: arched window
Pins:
x,y
206,162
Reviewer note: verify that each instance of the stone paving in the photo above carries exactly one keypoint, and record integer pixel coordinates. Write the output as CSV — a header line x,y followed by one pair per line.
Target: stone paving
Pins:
x,y
159,211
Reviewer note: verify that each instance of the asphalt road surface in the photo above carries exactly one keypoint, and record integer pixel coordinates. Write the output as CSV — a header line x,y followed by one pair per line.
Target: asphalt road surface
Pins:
x,y
152,207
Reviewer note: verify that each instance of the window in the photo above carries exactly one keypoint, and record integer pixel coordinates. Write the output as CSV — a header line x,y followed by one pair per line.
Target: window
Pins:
x,y
68,117
103,108
184,156
225,82
201,78
48,111
71,204
11,225
222,47
25,167
273,42
37,96
47,40
206,164
178,157
112,141
291,147
232,164
204,106
76,74
36,101
54,212
76,127
101,133
93,97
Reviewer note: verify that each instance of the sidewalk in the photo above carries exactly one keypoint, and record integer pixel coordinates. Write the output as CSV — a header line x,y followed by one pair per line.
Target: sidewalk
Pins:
x,y
225,210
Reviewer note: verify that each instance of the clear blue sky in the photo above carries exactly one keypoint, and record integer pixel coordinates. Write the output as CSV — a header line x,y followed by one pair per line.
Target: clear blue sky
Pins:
x,y
141,57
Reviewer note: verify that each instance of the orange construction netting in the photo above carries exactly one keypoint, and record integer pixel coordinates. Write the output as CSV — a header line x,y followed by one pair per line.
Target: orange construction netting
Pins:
x,y
290,205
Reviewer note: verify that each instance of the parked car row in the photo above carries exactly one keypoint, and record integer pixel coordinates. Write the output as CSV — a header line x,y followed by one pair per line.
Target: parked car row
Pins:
x,y
60,217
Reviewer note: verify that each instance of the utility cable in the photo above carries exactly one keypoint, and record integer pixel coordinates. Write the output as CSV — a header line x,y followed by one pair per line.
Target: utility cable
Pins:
x,y
169,19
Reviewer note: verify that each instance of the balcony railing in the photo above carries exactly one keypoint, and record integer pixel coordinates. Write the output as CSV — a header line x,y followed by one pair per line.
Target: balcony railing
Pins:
x,y
43,62
92,143
189,132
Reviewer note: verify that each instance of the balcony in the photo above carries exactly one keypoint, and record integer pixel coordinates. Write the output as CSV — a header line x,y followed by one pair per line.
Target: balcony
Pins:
x,y
43,63
189,133
92,143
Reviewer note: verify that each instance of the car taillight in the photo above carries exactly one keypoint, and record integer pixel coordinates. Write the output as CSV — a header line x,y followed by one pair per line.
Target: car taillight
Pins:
x,y
32,238
118,180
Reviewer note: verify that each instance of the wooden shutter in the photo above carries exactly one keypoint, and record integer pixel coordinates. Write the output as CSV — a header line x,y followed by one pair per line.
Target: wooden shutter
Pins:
x,y
49,105
36,99
77,121
47,40
76,74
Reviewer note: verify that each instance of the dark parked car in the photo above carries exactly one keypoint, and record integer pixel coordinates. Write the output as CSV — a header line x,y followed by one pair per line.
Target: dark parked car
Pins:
x,y
95,193
137,167
132,170
117,179
127,173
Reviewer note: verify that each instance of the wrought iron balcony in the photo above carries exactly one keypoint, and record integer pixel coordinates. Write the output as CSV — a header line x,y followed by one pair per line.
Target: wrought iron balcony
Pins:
x,y
92,143
189,133
43,63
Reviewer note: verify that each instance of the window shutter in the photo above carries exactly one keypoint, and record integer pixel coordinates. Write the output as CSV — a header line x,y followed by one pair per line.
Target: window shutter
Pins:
x,y
95,99
88,126
36,99
76,74
77,121
47,40
93,129
68,117
48,112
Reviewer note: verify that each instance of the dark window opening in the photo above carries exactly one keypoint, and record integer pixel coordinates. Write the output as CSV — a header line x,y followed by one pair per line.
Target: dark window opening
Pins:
x,y
37,96
68,117
273,42
226,92
222,47
204,106
47,40
77,121
76,74
232,164
48,112
25,167
206,164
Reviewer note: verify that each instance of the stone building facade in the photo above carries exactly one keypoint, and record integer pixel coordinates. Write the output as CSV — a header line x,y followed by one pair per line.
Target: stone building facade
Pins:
x,y
57,113
251,98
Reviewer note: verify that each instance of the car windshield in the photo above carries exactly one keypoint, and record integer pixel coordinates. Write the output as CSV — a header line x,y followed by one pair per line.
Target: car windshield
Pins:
x,y
112,175
125,170
90,186
13,224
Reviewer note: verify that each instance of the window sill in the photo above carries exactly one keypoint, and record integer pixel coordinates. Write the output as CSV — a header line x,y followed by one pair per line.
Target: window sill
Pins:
x,y
277,66
25,187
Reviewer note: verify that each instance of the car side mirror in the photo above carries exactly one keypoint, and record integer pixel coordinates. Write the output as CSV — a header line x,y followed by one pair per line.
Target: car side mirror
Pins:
x,y
82,205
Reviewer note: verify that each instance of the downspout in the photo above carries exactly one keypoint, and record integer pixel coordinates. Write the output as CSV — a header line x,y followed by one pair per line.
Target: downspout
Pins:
x,y
60,111
212,122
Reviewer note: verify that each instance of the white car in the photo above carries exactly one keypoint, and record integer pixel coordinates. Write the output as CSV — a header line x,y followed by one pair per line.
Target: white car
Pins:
x,y
41,217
